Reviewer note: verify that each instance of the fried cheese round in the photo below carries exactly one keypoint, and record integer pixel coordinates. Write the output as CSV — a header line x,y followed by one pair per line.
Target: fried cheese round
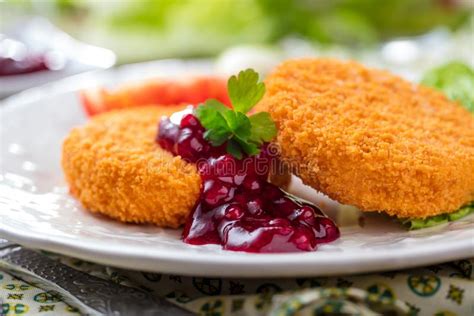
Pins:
x,y
368,138
114,167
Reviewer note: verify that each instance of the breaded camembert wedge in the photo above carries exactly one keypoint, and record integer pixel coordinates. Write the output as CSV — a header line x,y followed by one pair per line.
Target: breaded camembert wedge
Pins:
x,y
368,138
114,167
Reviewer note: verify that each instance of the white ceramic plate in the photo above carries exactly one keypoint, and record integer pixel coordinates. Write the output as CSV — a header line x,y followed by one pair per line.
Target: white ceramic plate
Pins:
x,y
36,210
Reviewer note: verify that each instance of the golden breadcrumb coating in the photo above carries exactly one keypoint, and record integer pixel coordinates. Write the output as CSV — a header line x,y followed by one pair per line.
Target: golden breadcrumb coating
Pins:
x,y
114,167
371,139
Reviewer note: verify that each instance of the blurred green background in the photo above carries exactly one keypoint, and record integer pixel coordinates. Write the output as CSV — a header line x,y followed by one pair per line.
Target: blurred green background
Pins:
x,y
149,29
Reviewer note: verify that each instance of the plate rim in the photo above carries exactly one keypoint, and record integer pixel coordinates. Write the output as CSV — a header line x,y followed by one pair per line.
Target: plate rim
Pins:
x,y
253,265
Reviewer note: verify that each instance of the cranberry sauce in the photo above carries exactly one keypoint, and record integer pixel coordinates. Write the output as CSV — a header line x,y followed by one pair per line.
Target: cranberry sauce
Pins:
x,y
238,208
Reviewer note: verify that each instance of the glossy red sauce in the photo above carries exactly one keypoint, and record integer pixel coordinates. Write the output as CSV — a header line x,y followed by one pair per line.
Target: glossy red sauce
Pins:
x,y
238,208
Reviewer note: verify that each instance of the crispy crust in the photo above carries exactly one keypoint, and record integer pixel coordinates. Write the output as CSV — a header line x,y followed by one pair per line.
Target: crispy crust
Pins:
x,y
371,139
114,167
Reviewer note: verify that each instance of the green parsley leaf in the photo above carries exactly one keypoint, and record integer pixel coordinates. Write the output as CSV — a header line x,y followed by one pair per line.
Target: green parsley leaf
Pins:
x,y
243,134
211,115
238,123
208,110
248,147
245,90
217,137
263,128
234,149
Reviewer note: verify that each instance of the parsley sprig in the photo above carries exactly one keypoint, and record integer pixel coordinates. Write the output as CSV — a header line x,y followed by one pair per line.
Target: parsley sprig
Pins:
x,y
243,134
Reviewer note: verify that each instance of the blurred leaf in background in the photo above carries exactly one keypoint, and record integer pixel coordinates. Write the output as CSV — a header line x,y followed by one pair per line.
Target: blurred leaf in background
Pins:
x,y
148,29
360,21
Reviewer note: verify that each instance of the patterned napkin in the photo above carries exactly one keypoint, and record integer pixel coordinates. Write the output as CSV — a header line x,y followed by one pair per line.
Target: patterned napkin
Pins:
x,y
444,289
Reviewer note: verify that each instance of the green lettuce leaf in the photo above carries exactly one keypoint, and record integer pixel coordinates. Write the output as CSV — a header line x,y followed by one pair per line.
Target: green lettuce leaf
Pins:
x,y
418,223
455,80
